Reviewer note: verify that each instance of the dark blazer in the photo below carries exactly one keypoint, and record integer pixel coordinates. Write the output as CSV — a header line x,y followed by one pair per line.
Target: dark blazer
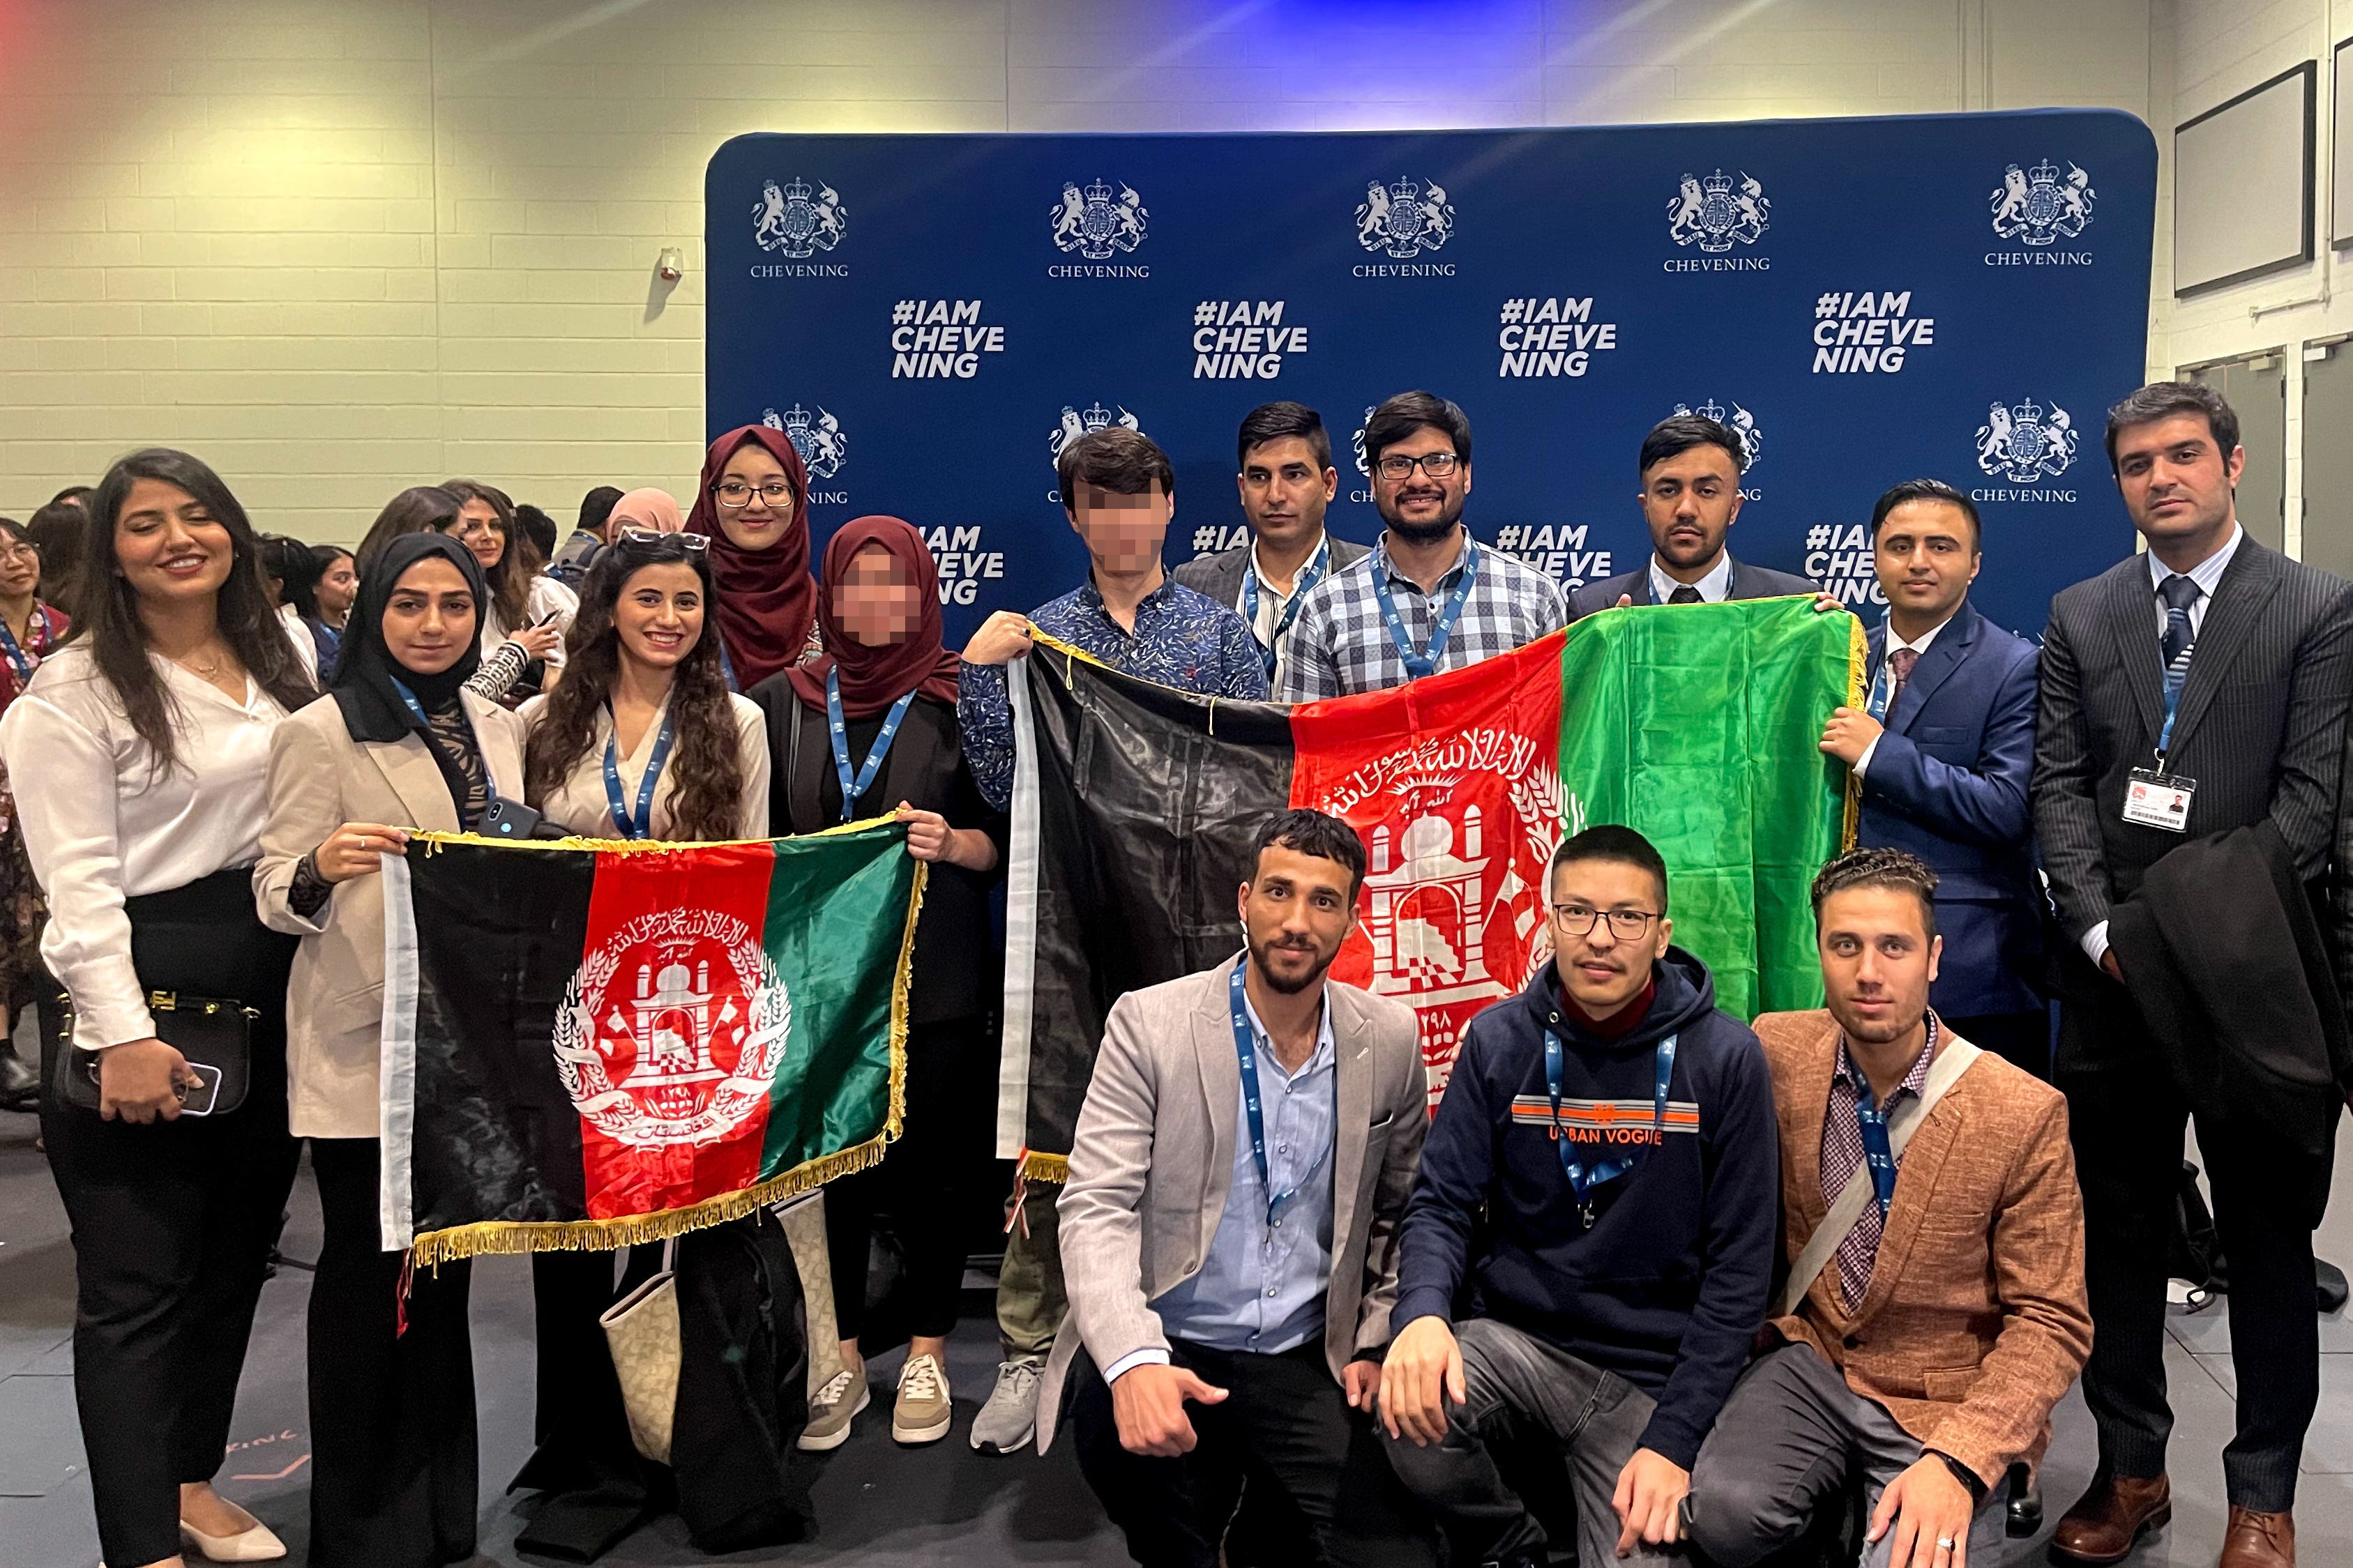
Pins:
x,y
1220,575
2261,728
1948,783
1748,583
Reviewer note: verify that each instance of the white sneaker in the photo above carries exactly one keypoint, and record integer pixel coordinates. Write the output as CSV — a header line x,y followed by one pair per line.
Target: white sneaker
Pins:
x,y
1010,1419
833,1409
922,1412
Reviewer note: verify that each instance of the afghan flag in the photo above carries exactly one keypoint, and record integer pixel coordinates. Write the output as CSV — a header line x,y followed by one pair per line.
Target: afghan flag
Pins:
x,y
1136,809
590,1044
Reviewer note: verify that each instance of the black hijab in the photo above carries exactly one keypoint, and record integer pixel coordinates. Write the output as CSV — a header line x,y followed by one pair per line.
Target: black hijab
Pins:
x,y
363,684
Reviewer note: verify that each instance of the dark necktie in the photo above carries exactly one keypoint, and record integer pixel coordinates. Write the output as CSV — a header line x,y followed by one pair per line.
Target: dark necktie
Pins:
x,y
2178,594
1901,662
1686,594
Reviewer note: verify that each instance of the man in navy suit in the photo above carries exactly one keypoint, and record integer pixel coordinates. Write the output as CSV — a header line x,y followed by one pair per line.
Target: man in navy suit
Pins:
x,y
1944,748
1689,467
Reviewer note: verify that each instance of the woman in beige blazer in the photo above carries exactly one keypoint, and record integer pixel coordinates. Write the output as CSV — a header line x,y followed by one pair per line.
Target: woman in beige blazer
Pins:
x,y
395,746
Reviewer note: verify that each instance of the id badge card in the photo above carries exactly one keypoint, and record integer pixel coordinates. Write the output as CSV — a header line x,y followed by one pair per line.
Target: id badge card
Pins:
x,y
2155,798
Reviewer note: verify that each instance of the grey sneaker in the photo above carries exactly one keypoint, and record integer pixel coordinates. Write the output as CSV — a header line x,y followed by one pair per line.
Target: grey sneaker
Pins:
x,y
833,1409
1010,1419
922,1413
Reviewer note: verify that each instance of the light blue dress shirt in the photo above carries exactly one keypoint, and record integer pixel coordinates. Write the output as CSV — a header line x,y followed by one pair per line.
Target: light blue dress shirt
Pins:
x,y
1262,1286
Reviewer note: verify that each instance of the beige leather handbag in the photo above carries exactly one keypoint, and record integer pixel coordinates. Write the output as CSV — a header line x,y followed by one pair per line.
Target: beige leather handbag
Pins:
x,y
642,1329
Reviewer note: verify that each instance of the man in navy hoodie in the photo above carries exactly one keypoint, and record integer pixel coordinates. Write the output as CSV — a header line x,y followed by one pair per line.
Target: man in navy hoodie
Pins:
x,y
1603,1174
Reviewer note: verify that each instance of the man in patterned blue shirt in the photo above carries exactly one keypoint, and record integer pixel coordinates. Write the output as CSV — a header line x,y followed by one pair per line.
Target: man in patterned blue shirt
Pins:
x,y
1120,492
1429,597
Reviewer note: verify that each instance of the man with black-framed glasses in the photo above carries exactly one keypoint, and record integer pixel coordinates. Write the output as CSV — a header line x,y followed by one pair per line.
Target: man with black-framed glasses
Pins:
x,y
1601,1174
1429,597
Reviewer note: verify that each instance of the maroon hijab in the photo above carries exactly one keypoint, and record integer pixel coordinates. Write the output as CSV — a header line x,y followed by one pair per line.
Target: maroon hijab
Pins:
x,y
874,677
765,599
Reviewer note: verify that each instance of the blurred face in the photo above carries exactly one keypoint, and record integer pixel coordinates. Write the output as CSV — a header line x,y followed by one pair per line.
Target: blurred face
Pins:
x,y
478,529
1123,533
1296,912
167,546
755,499
874,602
20,565
660,613
339,585
1689,501
1926,557
2176,482
1877,961
1601,969
430,619
1284,491
1417,504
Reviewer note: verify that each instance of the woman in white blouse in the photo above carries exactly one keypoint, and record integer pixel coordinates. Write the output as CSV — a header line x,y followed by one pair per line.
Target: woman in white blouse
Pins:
x,y
141,750
527,606
642,739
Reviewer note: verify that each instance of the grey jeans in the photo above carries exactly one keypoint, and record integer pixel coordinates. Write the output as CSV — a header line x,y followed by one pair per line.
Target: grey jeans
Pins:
x,y
1522,1388
1787,1444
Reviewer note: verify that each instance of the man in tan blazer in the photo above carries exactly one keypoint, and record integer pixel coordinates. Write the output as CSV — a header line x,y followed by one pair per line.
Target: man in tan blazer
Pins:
x,y
1927,1338
1228,1235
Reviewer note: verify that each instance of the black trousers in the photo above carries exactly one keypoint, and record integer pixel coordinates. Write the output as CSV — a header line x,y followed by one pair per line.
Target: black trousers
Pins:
x,y
945,1140
1284,1427
2127,1119
172,1224
393,1467
2022,1039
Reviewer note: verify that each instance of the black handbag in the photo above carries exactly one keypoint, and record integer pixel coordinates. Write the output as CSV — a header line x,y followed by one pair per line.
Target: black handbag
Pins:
x,y
214,1033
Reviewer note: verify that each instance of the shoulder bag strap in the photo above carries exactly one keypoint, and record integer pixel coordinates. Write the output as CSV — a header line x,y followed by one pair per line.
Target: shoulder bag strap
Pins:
x,y
1952,1060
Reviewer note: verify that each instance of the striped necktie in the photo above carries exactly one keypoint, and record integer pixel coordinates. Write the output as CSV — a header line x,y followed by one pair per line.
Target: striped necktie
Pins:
x,y
2179,593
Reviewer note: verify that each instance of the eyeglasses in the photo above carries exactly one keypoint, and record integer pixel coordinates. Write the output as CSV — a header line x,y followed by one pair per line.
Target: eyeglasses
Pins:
x,y
20,550
734,493
1437,465
648,538
1578,919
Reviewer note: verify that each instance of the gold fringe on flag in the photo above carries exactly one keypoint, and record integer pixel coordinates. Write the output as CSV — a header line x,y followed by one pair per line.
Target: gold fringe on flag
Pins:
x,y
1052,1169
1858,661
512,1237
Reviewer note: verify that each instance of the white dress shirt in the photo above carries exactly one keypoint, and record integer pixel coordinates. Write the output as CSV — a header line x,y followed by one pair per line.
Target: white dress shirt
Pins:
x,y
102,826
547,598
580,805
1713,588
1863,763
1270,604
2207,574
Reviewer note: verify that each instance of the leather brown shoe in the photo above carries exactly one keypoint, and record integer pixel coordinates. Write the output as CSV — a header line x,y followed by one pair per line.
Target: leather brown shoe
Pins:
x,y
2259,1540
2107,1519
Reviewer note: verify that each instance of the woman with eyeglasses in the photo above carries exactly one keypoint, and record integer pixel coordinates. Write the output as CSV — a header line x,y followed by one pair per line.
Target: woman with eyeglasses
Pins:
x,y
753,505
527,608
150,732
891,685
29,630
398,746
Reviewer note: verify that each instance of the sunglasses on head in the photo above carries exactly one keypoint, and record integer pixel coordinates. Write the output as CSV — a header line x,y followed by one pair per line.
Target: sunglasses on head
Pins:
x,y
653,538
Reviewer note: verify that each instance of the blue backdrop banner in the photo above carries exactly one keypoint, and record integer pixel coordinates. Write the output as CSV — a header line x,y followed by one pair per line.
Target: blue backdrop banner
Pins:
x,y
1864,301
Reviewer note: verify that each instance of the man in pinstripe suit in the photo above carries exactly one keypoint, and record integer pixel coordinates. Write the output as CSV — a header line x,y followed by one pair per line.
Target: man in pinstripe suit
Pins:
x,y
2252,655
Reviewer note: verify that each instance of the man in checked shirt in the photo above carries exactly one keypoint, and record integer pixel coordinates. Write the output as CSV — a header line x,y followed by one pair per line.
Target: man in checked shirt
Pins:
x,y
1931,1320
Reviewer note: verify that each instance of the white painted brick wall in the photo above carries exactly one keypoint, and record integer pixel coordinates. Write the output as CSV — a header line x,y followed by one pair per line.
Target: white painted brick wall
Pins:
x,y
341,247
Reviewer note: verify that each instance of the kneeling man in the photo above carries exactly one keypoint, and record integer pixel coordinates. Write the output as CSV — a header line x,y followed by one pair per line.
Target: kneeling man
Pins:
x,y
1230,1234
1601,1172
1936,1311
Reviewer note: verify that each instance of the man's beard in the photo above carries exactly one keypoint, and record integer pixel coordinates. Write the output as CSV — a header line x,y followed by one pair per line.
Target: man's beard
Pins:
x,y
1283,983
1424,532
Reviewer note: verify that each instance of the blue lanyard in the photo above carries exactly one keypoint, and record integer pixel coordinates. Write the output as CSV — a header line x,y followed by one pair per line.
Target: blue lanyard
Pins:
x,y
1877,1151
1882,687
641,823
1245,1046
1304,580
24,664
416,708
1582,1180
852,788
1418,665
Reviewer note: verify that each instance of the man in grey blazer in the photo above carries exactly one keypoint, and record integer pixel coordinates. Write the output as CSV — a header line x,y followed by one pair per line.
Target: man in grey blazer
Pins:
x,y
2198,689
1691,467
1230,1234
1286,479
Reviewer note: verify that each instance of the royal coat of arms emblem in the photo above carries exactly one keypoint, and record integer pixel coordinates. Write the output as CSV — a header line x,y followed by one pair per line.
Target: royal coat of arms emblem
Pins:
x,y
2036,206
1405,218
1714,214
2025,443
1097,224
817,437
798,222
